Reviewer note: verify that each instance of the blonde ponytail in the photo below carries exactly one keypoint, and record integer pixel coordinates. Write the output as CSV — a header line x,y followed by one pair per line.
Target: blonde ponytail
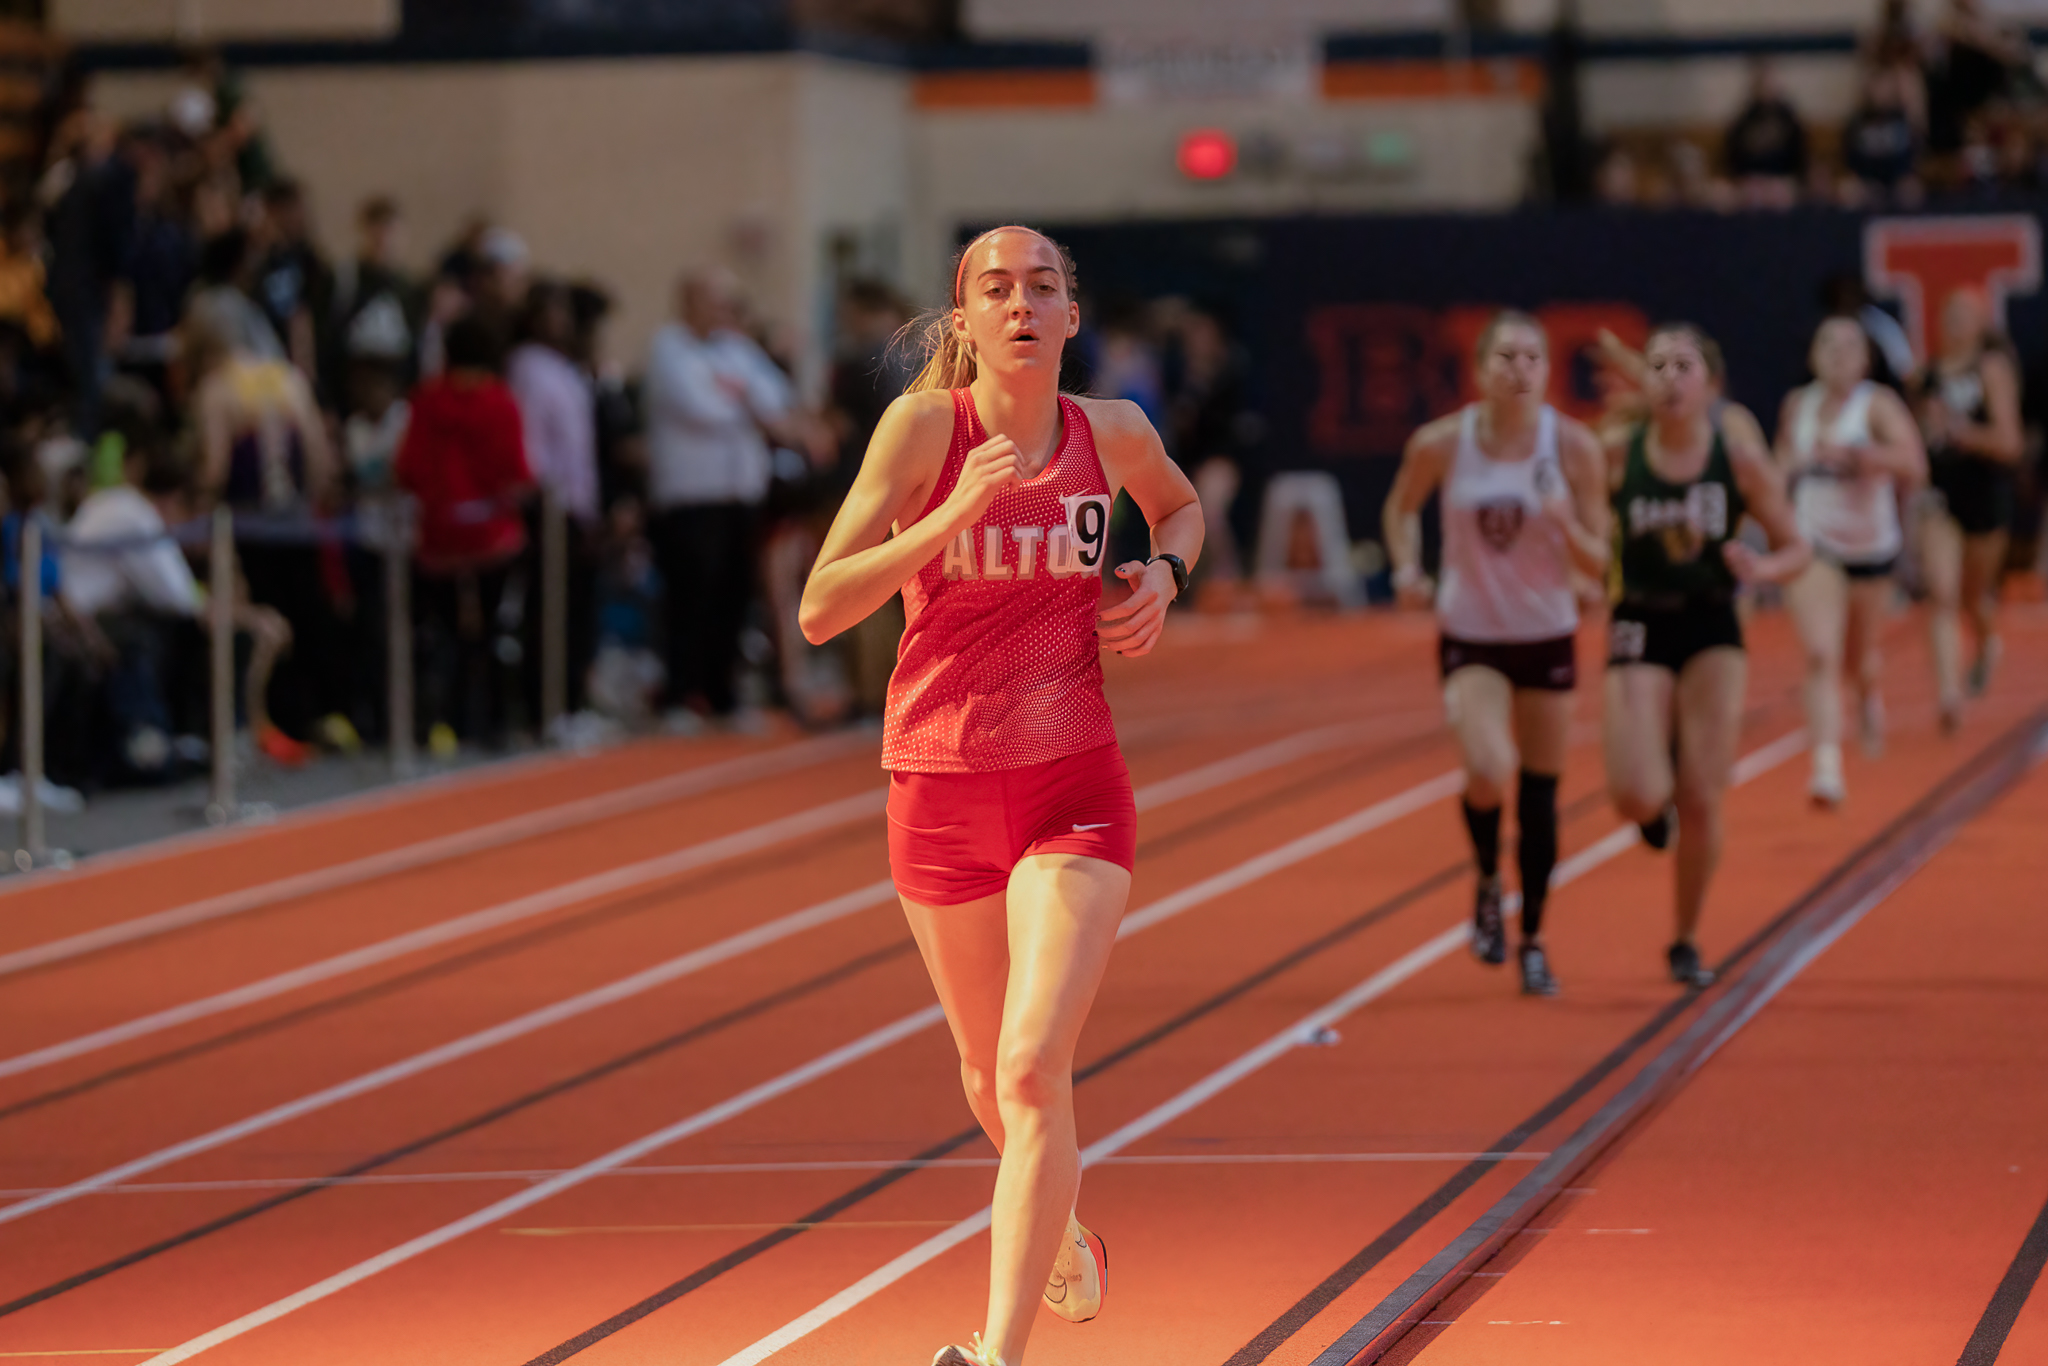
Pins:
x,y
948,364
949,361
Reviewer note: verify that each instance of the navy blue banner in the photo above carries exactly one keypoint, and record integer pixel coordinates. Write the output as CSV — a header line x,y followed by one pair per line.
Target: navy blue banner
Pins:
x,y
1360,329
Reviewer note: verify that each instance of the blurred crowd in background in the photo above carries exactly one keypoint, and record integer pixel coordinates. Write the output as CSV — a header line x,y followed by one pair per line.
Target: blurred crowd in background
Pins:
x,y
173,339
1954,111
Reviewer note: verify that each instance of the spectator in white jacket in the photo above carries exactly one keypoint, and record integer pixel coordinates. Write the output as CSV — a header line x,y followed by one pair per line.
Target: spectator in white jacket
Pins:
x,y
558,411
122,571
712,399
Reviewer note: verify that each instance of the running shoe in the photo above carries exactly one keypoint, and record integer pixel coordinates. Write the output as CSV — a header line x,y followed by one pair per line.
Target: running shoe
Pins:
x,y
1657,833
339,734
1827,788
1080,1275
441,741
281,749
973,1355
1951,717
1536,978
1686,968
1489,936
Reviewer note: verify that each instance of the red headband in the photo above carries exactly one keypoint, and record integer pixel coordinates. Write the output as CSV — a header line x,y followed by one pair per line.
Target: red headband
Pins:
x,y
960,271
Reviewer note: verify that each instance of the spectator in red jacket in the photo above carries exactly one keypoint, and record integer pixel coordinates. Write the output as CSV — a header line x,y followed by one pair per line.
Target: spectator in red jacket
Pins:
x,y
464,460
464,457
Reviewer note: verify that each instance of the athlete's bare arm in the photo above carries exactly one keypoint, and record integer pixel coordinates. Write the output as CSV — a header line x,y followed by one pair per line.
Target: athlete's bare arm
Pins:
x,y
1424,463
2000,438
1895,447
861,566
215,415
1614,444
1625,358
1763,490
1782,450
1133,458
1584,515
313,447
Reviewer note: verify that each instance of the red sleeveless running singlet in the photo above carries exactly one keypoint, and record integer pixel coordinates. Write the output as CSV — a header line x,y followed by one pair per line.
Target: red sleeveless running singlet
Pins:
x,y
999,667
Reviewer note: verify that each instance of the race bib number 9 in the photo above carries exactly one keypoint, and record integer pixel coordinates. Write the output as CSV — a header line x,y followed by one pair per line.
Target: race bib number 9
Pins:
x,y
1078,546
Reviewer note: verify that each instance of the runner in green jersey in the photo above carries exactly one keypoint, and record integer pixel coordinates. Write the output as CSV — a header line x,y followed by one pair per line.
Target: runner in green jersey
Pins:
x,y
1682,483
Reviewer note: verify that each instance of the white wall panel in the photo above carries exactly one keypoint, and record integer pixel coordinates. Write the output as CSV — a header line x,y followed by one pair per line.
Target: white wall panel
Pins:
x,y
1089,18
157,20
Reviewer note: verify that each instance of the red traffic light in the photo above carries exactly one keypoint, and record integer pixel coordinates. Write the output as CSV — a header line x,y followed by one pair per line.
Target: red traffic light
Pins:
x,y
1207,154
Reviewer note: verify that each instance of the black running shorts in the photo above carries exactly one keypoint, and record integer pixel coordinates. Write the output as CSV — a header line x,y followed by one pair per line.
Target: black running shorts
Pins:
x,y
1543,665
1981,494
1857,569
1669,638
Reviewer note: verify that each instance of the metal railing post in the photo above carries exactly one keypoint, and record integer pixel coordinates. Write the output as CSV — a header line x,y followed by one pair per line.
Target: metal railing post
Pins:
x,y
220,607
33,849
554,611
398,633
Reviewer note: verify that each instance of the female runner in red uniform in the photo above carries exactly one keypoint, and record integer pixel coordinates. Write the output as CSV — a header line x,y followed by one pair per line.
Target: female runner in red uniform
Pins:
x,y
1012,829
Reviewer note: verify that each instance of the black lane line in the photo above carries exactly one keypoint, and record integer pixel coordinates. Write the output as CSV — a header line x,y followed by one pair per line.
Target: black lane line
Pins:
x,y
740,1256
1339,772
1987,776
452,860
630,905
1274,1335
739,1014
695,1032
839,1204
603,913
2006,1302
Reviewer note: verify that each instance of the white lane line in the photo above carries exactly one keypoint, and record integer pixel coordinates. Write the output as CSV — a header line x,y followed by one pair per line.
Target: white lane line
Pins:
x,y
1763,759
602,806
496,834
1304,848
1202,779
1282,751
1756,764
575,1176
1295,852
874,894
1288,1039
584,1002
814,821
879,1164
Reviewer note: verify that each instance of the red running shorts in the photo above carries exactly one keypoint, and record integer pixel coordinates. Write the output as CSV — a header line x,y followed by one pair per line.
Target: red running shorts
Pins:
x,y
954,837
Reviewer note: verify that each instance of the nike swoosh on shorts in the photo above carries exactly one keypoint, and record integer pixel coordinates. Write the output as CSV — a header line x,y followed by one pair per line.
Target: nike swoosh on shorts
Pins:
x,y
1084,829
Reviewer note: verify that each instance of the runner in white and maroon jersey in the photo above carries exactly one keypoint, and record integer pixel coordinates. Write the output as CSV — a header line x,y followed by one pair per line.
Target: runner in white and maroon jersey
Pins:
x,y
1012,829
1851,452
1523,504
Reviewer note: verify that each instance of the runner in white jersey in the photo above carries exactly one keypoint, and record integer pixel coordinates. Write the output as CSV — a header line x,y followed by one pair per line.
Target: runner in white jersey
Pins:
x,y
1524,503
1852,451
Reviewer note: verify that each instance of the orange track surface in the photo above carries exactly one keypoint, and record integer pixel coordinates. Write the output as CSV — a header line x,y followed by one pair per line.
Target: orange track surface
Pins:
x,y
1849,1178
1747,1168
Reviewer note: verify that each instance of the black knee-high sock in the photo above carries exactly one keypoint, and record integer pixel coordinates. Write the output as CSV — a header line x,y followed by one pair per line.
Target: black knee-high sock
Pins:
x,y
1485,828
1535,845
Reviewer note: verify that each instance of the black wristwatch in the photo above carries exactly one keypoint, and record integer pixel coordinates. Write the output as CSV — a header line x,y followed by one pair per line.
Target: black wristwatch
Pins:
x,y
1179,568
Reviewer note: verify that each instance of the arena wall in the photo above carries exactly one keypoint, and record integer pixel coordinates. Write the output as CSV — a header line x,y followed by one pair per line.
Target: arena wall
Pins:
x,y
627,171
